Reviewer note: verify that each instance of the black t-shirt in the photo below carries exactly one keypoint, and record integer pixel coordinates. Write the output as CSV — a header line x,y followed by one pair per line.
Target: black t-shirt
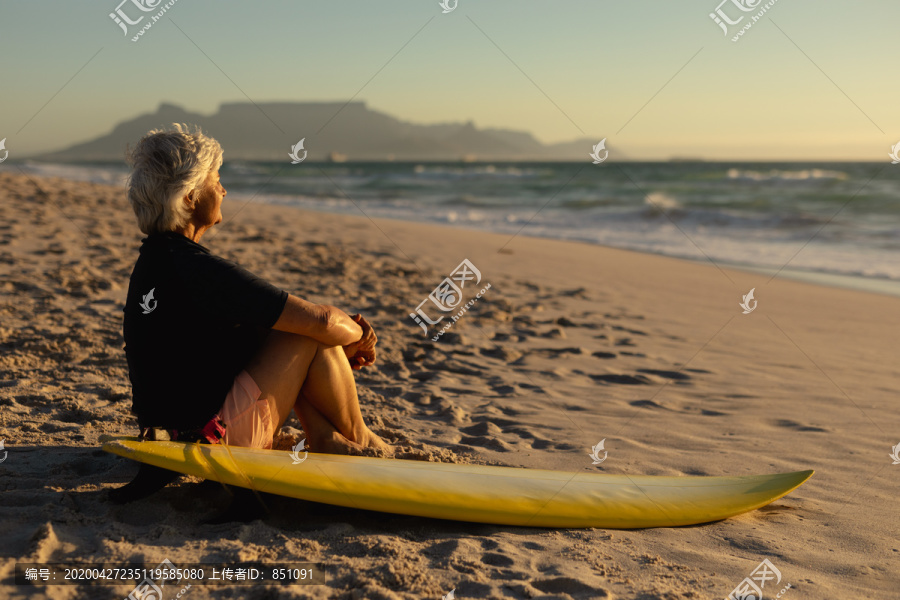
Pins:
x,y
192,322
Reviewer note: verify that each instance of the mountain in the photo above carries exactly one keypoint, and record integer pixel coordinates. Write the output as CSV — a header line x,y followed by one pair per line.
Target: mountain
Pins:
x,y
266,131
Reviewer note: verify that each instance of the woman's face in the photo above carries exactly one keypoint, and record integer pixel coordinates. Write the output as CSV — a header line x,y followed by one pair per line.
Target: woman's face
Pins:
x,y
208,208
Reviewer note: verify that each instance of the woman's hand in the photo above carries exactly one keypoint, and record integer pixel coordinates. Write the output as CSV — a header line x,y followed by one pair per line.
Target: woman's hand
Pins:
x,y
362,353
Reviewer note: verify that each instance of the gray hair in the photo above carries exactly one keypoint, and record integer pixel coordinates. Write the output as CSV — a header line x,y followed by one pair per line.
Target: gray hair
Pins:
x,y
167,164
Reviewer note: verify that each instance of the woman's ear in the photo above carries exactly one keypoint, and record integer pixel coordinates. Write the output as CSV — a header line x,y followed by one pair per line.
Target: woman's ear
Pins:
x,y
189,200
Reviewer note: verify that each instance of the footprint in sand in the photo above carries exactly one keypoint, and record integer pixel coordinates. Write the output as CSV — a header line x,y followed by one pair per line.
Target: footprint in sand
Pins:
x,y
569,586
504,390
557,352
798,426
622,379
555,333
647,404
466,443
502,353
505,410
576,293
484,428
499,422
674,375
627,330
497,560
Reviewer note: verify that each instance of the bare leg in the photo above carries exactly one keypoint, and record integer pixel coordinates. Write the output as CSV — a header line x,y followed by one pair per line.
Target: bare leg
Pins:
x,y
331,390
324,436
298,373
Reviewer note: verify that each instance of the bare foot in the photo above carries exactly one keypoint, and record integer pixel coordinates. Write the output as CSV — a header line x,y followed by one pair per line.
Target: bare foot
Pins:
x,y
370,440
334,443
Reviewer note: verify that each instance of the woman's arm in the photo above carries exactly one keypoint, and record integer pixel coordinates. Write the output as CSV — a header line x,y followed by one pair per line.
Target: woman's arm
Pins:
x,y
322,322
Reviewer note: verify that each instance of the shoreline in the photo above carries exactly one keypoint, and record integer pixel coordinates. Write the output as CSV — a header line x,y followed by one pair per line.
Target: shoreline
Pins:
x,y
861,283
879,285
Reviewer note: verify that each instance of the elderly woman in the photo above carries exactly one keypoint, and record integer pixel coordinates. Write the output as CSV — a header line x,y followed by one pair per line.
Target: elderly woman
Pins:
x,y
215,352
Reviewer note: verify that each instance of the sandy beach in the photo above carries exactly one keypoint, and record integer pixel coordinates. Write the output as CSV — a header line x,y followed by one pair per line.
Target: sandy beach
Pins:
x,y
572,344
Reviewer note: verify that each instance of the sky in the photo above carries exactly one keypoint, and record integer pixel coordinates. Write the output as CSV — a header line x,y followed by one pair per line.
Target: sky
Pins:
x,y
810,80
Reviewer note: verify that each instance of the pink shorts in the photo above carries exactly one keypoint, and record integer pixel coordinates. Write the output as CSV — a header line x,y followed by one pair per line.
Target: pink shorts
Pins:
x,y
247,417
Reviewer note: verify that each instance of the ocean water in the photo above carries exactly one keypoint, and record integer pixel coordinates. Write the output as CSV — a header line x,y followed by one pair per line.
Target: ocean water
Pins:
x,y
837,220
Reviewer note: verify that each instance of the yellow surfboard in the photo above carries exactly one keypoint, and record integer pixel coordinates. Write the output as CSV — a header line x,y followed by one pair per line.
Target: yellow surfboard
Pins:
x,y
497,495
